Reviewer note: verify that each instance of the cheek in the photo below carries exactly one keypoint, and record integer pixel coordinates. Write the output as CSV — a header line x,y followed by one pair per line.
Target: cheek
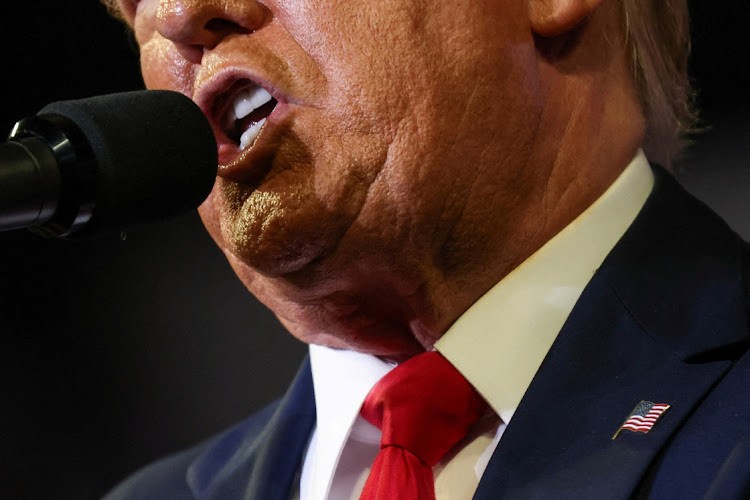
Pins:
x,y
164,68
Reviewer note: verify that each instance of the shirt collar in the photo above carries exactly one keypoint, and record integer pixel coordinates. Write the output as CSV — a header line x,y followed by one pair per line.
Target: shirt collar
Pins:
x,y
500,342
342,380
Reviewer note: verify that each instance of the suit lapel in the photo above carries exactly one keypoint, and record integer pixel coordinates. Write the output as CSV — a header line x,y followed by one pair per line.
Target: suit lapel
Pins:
x,y
559,443
262,456
627,340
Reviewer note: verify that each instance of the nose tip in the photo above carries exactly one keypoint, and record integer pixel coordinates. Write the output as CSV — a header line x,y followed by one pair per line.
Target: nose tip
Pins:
x,y
199,25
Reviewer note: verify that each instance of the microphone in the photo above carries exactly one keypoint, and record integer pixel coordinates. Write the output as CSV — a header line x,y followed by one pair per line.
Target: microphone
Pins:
x,y
90,166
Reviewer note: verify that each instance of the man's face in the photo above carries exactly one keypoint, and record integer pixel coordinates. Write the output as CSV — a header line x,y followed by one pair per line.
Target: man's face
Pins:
x,y
384,116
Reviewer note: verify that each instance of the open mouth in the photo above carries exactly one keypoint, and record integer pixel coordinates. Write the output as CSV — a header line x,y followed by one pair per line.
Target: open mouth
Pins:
x,y
250,108
244,113
249,118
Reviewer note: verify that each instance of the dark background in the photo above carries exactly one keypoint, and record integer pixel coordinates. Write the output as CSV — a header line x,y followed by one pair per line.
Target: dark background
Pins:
x,y
117,351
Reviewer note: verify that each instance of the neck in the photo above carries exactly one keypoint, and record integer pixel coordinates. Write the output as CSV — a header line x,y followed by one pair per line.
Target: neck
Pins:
x,y
590,129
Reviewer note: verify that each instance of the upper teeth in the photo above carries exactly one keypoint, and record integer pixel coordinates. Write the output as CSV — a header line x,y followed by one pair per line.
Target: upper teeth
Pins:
x,y
249,100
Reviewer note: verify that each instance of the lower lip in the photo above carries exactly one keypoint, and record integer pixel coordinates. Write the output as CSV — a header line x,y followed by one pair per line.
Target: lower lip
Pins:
x,y
251,164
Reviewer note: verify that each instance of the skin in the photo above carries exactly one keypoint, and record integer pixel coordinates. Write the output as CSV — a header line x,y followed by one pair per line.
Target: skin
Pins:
x,y
425,149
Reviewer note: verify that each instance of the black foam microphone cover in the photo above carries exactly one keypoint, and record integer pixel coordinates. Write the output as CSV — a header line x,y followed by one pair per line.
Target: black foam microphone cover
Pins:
x,y
151,154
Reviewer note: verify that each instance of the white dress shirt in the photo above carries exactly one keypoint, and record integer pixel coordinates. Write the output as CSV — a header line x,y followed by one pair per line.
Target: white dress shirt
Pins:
x,y
498,344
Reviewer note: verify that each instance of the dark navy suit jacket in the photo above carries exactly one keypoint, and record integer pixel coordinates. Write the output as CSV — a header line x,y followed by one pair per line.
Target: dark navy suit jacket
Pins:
x,y
665,319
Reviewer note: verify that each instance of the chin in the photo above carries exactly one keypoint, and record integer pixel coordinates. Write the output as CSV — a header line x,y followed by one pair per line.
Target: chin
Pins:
x,y
268,232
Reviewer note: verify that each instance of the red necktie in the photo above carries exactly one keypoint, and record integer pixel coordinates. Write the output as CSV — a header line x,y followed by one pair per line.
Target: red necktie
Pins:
x,y
424,407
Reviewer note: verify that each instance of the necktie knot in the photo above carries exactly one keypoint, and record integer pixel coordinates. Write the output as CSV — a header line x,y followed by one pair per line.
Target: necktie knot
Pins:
x,y
425,407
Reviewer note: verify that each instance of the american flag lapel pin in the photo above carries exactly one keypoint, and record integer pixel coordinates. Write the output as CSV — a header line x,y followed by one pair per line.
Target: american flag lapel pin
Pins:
x,y
643,417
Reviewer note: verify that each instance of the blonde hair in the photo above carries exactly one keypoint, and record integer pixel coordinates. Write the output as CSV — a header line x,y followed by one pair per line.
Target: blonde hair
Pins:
x,y
658,38
113,8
